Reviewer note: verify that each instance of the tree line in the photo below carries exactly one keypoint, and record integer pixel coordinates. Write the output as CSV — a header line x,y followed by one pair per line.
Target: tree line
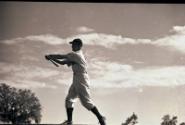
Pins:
x,y
18,105
166,120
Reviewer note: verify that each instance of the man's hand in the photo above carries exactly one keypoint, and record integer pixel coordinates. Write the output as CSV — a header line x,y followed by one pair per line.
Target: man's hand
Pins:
x,y
47,57
69,64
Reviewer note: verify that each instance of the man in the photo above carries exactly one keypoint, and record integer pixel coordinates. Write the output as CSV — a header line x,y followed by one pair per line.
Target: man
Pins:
x,y
80,85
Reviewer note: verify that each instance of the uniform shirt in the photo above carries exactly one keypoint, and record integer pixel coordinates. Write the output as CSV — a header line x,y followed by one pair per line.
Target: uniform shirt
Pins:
x,y
79,68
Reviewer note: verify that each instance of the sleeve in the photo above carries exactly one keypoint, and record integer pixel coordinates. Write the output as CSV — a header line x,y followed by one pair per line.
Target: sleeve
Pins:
x,y
72,57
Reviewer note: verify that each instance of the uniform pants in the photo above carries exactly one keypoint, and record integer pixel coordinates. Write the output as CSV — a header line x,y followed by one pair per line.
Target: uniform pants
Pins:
x,y
81,91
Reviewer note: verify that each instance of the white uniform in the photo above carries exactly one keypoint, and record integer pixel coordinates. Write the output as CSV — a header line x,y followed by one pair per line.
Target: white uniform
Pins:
x,y
80,85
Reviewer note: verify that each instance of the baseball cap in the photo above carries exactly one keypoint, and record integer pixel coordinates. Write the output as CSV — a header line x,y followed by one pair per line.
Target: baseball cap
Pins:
x,y
76,41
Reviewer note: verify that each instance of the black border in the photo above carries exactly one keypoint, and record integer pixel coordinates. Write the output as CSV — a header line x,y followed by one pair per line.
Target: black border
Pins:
x,y
106,1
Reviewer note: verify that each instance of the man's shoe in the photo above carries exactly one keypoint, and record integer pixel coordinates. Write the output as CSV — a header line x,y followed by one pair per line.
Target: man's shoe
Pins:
x,y
102,121
67,123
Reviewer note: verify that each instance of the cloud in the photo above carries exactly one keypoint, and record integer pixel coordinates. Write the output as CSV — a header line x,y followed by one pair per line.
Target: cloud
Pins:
x,y
27,76
18,83
109,74
46,38
104,73
178,30
13,41
173,42
84,29
27,71
105,40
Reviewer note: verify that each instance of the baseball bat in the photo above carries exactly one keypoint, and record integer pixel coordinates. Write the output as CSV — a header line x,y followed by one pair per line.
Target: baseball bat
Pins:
x,y
51,61
54,63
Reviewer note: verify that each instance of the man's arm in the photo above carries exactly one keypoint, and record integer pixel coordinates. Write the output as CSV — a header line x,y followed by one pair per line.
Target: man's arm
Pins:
x,y
56,56
63,62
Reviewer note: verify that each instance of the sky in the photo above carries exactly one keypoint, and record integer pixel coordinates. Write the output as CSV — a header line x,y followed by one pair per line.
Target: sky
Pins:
x,y
135,54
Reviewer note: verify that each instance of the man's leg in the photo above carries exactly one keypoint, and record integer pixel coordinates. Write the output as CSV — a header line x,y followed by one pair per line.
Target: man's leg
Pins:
x,y
86,101
96,112
69,103
98,115
69,114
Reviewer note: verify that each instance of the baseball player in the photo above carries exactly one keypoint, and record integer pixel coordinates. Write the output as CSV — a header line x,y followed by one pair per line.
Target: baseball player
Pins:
x,y
80,86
